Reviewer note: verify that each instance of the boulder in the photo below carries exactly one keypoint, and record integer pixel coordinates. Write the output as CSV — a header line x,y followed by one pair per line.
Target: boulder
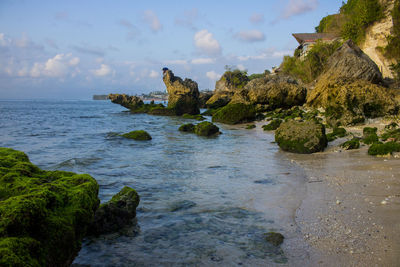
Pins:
x,y
235,113
206,128
273,91
115,214
183,95
140,135
301,137
348,88
188,127
225,88
44,215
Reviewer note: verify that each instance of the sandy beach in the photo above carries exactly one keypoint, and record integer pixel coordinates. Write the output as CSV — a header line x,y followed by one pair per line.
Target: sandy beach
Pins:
x,y
350,215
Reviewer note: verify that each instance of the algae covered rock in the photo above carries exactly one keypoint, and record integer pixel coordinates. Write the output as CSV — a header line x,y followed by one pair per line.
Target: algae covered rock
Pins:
x,y
140,135
193,117
44,215
301,137
354,143
235,113
206,128
274,238
384,149
188,127
130,102
273,125
369,135
183,95
337,132
116,213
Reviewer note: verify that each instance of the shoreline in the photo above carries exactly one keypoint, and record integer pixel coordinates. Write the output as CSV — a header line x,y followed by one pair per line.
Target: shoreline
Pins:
x,y
350,213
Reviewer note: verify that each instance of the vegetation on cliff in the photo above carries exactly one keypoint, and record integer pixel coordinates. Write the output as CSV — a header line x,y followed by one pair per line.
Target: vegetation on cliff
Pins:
x,y
392,50
43,214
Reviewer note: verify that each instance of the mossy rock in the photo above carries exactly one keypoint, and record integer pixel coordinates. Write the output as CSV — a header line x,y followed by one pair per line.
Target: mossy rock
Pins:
x,y
384,149
193,117
337,132
140,135
188,127
301,137
394,135
115,214
273,125
250,126
161,111
206,128
369,130
209,112
351,144
274,238
235,113
391,126
44,215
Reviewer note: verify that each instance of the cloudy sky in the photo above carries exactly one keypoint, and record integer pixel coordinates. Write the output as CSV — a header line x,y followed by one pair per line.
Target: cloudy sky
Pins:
x,y
74,49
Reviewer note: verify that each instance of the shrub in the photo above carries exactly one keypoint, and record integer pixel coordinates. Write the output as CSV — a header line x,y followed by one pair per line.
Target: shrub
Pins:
x,y
235,78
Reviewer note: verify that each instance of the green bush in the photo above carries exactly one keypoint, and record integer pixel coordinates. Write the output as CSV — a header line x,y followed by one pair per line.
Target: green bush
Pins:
x,y
235,78
312,65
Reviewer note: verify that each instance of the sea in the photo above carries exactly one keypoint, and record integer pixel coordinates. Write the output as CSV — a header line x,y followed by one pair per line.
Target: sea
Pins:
x,y
204,201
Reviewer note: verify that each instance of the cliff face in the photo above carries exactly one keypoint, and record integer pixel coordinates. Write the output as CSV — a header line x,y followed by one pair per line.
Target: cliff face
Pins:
x,y
375,39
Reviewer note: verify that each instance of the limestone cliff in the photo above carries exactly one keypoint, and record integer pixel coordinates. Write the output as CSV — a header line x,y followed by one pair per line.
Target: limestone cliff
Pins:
x,y
375,39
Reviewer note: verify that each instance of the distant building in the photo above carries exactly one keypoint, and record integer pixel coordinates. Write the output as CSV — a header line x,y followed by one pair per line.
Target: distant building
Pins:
x,y
307,40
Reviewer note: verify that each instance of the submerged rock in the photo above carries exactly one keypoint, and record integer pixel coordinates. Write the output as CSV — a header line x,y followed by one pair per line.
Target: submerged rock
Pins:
x,y
235,113
44,215
140,135
183,95
193,117
274,238
301,137
116,213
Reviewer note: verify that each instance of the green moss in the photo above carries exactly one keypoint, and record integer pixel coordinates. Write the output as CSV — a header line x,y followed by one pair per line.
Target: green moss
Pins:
x,y
370,139
391,126
235,113
189,127
206,128
193,117
250,126
384,149
337,132
162,111
394,135
273,125
209,112
235,78
274,238
43,214
138,135
351,144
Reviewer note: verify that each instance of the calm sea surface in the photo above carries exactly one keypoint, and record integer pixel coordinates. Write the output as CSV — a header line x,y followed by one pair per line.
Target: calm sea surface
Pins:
x,y
204,201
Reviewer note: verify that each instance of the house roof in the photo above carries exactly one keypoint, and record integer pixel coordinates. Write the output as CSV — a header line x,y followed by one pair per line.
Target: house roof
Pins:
x,y
313,37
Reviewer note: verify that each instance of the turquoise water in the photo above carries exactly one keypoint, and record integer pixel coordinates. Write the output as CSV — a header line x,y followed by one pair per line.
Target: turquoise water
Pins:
x,y
204,201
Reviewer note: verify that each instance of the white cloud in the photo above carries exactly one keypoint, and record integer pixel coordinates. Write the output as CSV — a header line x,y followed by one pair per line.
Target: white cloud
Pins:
x,y
240,67
198,61
151,18
4,41
57,66
212,75
257,18
205,43
36,70
266,54
154,74
74,61
250,36
104,70
176,62
297,7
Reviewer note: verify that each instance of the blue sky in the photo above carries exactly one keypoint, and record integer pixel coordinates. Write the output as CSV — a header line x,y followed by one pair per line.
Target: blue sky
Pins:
x,y
74,49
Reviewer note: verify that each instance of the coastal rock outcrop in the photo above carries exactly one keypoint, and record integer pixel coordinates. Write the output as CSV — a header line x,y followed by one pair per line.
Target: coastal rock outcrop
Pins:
x,y
116,213
204,96
301,137
44,215
273,91
183,95
130,102
140,135
348,88
225,88
235,113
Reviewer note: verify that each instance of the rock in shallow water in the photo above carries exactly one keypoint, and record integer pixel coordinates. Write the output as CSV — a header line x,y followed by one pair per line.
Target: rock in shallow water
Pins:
x,y
43,214
138,135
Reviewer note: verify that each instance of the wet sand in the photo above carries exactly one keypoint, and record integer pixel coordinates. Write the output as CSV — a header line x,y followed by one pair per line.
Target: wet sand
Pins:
x,y
350,215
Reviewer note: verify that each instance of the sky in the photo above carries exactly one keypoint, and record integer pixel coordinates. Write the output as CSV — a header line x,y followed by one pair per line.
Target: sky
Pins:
x,y
74,49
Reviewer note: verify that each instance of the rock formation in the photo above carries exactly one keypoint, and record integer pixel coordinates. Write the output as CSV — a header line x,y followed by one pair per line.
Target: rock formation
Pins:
x,y
204,96
130,102
139,135
115,214
183,95
273,91
43,214
235,113
348,88
301,137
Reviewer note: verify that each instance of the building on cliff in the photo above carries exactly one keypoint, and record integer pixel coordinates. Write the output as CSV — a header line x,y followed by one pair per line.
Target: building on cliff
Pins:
x,y
307,40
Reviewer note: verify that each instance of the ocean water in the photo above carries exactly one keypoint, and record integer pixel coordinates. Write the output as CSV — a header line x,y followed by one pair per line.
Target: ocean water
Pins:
x,y
204,201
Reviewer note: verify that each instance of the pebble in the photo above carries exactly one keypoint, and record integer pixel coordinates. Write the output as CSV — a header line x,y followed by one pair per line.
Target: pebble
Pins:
x,y
338,202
